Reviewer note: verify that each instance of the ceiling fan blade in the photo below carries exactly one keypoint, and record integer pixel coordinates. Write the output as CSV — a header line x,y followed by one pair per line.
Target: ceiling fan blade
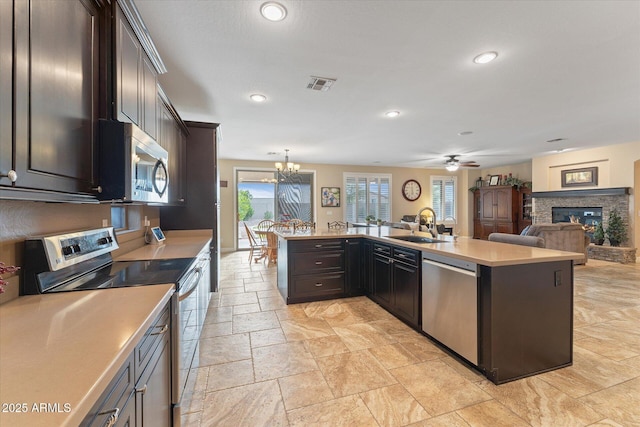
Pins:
x,y
462,165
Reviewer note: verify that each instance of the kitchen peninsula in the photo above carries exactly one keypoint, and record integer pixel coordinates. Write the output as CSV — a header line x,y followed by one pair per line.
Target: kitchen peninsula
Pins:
x,y
516,306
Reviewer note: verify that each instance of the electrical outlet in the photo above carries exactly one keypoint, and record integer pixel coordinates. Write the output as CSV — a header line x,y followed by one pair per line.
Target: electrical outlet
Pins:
x,y
557,277
105,222
146,222
329,213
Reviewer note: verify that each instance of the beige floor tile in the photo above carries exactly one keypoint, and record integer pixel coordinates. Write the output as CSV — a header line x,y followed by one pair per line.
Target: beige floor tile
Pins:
x,y
447,420
271,303
354,372
541,404
224,349
237,299
348,411
393,356
191,419
216,329
218,314
422,349
391,326
258,285
304,389
360,336
246,308
326,346
232,408
230,283
620,403
294,311
227,375
438,387
491,413
232,290
305,329
267,337
255,321
281,360
394,406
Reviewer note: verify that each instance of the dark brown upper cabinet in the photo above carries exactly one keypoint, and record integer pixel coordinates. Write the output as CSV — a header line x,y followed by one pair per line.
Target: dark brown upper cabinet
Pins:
x,y
137,66
49,134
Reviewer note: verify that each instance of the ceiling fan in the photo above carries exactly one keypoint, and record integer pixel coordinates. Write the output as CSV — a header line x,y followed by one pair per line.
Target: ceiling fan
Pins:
x,y
453,163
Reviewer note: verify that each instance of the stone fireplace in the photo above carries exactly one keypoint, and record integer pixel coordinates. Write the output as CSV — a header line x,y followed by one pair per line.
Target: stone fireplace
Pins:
x,y
591,206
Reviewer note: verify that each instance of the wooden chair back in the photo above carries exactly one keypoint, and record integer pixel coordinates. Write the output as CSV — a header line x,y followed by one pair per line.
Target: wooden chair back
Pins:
x,y
337,225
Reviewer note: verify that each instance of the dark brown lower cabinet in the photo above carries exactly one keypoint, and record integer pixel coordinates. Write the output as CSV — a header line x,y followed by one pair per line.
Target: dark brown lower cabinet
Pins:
x,y
395,276
526,319
140,393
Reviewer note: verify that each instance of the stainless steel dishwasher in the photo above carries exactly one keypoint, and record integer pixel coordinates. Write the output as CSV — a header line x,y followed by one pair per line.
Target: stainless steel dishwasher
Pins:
x,y
450,303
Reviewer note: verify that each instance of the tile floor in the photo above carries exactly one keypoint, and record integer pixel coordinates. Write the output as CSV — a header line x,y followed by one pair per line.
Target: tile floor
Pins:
x,y
350,363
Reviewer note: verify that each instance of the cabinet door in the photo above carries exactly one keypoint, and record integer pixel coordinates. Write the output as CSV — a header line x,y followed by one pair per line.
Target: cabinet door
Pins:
x,y
406,292
128,54
153,391
381,278
6,89
504,204
488,203
354,267
486,228
56,93
367,266
149,97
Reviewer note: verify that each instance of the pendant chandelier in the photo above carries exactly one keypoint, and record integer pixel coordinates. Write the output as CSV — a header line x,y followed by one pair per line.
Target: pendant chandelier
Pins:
x,y
288,168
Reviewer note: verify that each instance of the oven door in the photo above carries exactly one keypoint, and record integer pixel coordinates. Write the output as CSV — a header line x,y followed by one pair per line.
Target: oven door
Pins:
x,y
185,333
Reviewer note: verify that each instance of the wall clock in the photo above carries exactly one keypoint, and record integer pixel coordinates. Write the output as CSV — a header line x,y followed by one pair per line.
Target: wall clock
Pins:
x,y
411,190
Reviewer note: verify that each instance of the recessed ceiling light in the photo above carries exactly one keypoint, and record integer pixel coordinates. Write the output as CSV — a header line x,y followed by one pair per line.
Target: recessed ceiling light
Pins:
x,y
256,97
466,132
392,114
485,57
273,11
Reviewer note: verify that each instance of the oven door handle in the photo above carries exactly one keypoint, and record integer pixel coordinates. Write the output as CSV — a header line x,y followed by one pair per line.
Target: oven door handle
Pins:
x,y
182,297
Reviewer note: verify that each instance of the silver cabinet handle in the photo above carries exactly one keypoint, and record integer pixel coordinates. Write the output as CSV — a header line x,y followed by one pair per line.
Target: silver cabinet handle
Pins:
x,y
402,255
113,418
164,329
318,262
142,389
318,285
318,246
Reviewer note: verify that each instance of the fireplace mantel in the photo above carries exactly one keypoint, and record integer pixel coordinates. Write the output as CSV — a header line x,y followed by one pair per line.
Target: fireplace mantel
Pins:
x,y
618,191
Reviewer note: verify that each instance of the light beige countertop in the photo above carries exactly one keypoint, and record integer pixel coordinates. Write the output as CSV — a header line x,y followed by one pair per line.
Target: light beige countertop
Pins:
x,y
64,348
483,252
178,244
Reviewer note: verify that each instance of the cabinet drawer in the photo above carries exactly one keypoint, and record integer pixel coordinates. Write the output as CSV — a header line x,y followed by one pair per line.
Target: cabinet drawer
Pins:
x,y
148,343
312,262
115,396
316,245
408,256
318,285
381,249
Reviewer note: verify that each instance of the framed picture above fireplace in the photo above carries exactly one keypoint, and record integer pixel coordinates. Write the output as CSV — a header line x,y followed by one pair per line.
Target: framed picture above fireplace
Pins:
x,y
583,177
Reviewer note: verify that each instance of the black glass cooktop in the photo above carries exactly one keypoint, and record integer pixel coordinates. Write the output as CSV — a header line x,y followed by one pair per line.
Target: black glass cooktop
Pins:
x,y
130,273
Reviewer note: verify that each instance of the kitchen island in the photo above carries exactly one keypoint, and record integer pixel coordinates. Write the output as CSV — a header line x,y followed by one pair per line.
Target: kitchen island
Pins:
x,y
517,309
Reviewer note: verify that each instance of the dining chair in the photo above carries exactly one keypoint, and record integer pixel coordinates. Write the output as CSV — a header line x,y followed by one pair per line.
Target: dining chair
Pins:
x,y
261,229
304,226
295,221
280,226
271,248
337,225
253,243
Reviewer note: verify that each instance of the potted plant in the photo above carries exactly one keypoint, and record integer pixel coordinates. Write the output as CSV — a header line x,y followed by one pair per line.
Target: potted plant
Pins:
x,y
616,230
598,234
369,219
379,221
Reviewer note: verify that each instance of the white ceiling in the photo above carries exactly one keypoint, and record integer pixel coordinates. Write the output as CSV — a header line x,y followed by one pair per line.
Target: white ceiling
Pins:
x,y
566,69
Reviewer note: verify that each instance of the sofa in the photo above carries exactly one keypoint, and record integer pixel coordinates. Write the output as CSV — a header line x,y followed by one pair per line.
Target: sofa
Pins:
x,y
563,236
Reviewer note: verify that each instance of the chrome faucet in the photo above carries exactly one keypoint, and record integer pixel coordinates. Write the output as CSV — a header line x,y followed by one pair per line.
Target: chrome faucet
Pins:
x,y
433,230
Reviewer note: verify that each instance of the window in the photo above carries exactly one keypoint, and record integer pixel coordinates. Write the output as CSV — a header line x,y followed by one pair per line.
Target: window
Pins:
x,y
365,195
443,196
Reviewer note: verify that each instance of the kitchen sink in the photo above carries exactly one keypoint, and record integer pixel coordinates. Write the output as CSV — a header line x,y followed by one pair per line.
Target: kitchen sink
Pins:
x,y
417,239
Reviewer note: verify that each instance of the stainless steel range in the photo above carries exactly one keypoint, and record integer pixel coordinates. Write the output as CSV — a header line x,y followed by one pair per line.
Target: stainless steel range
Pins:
x,y
82,261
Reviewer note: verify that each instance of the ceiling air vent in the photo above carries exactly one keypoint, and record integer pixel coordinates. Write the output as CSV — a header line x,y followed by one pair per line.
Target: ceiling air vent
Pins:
x,y
320,83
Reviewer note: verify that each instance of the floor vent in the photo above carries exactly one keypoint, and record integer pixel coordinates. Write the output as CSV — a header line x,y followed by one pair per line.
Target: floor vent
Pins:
x,y
322,84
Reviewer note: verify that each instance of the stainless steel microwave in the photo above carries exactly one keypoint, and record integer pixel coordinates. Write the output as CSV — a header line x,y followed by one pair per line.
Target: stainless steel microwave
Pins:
x,y
132,165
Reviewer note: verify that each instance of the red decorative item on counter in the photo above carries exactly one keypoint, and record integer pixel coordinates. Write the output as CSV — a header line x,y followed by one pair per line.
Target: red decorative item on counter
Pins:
x,y
6,269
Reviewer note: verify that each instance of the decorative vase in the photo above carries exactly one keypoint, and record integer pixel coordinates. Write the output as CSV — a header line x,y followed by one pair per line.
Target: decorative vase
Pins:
x,y
614,242
379,222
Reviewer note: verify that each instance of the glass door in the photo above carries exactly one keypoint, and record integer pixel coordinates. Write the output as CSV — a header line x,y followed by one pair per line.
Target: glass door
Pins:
x,y
269,195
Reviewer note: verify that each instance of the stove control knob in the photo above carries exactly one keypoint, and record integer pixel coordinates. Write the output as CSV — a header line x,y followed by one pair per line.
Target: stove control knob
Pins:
x,y
103,241
67,250
76,248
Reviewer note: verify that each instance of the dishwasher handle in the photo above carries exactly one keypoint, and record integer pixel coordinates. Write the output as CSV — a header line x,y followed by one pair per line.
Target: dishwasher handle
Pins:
x,y
452,268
